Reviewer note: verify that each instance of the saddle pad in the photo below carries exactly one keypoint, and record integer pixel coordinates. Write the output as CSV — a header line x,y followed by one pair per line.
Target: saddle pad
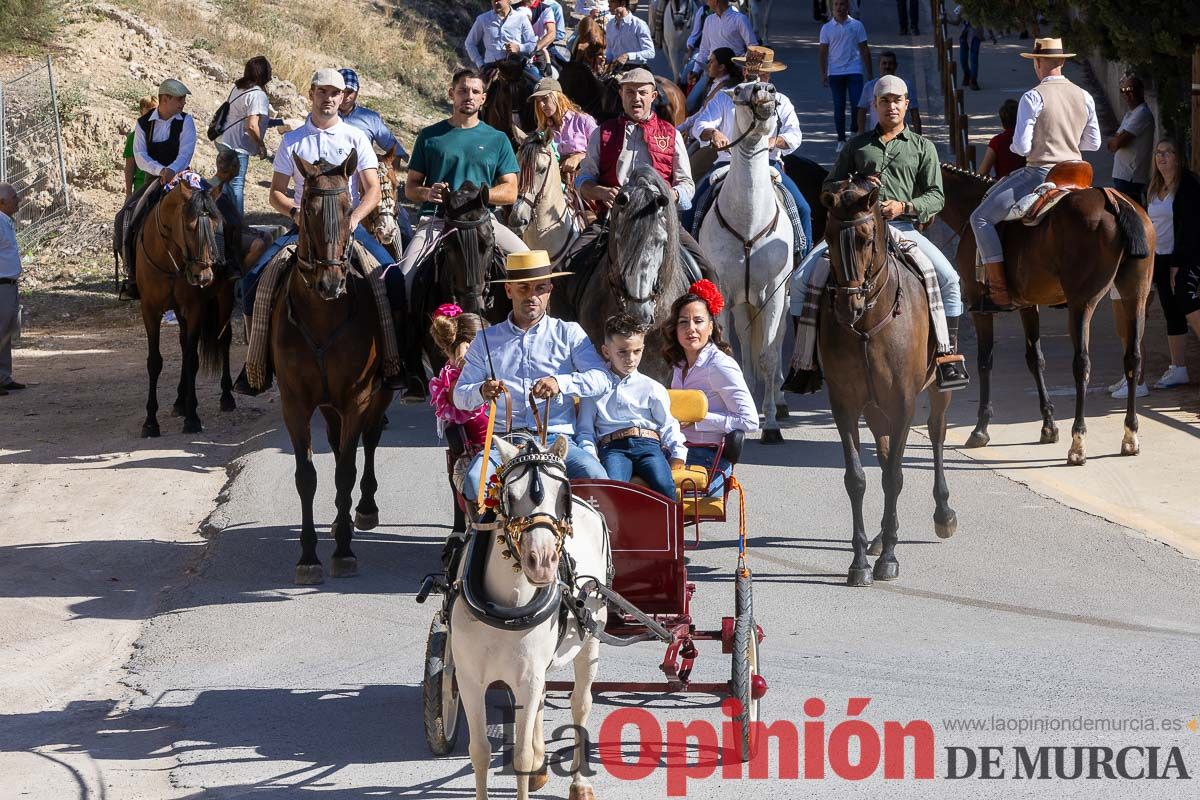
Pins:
x,y
1041,207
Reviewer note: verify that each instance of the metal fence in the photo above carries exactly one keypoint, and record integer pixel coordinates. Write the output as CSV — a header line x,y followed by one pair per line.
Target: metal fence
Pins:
x,y
31,154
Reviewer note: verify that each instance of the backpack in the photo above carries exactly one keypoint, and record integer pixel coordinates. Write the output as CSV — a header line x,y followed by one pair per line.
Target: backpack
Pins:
x,y
218,124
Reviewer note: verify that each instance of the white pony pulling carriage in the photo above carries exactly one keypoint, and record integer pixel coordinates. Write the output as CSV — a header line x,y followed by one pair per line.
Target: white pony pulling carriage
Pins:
x,y
533,590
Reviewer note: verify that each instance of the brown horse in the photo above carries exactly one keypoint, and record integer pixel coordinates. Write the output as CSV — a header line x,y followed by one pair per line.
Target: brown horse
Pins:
x,y
507,107
179,266
878,356
1083,246
324,344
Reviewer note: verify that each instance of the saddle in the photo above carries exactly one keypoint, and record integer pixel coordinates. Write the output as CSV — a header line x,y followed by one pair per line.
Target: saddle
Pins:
x,y
717,182
1064,178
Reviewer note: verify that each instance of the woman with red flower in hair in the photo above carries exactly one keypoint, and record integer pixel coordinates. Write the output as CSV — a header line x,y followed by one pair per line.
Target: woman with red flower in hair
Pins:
x,y
702,359
453,331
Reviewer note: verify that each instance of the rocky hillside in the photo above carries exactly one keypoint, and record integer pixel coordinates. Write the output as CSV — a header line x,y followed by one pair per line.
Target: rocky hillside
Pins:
x,y
108,54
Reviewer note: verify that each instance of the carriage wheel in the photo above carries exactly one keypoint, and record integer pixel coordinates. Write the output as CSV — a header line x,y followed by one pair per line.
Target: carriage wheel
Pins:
x,y
745,668
440,695
743,598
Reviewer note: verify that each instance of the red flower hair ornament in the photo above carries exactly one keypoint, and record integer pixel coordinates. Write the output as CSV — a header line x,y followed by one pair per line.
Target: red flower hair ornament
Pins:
x,y
707,291
447,310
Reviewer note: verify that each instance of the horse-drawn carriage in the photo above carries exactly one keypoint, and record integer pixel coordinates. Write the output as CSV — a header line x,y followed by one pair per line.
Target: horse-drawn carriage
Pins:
x,y
646,594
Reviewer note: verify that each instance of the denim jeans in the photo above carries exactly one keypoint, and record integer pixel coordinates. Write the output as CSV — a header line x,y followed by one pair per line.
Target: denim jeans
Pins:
x,y
639,456
841,85
688,216
237,184
252,276
580,464
995,207
968,56
701,456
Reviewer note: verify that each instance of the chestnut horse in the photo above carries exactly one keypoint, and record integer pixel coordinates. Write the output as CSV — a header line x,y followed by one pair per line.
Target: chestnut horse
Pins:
x,y
179,265
507,107
877,353
324,344
1082,246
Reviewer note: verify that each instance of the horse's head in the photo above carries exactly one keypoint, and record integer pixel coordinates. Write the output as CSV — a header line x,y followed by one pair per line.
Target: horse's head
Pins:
x,y
195,233
755,103
323,252
535,505
382,220
539,168
643,241
467,253
856,235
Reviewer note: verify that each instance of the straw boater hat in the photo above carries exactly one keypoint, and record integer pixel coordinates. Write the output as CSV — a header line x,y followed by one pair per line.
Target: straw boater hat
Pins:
x,y
759,59
532,265
1048,48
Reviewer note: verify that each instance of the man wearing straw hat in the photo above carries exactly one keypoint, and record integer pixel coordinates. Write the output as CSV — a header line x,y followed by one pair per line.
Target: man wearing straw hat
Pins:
x,y
1056,121
531,353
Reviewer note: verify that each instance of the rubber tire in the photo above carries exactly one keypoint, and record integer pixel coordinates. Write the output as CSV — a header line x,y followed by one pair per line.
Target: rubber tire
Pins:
x,y
745,665
440,736
743,596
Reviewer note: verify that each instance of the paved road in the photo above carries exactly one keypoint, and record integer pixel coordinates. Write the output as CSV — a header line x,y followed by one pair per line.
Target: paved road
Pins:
x,y
252,687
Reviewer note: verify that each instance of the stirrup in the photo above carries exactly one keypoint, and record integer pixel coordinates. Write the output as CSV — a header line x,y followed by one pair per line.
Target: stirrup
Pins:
x,y
128,290
985,305
951,372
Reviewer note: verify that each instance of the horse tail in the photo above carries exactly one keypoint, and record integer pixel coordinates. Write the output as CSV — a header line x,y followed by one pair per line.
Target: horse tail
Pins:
x,y
211,352
1130,225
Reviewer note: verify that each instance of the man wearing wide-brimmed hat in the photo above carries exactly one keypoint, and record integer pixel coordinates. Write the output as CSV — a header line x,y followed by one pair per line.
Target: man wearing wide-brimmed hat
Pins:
x,y
533,353
1056,121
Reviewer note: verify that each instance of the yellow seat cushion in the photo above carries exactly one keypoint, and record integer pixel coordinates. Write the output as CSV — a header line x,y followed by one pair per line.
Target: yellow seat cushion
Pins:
x,y
688,405
708,506
696,474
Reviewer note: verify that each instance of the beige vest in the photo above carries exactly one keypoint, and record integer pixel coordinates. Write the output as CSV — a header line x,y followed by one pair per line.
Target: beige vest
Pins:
x,y
1059,127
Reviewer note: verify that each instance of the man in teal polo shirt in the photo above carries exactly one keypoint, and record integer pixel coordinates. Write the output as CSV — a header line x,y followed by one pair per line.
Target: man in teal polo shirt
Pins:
x,y
447,155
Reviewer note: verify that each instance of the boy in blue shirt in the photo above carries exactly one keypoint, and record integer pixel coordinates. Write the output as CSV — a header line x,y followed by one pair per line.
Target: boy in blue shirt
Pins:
x,y
629,428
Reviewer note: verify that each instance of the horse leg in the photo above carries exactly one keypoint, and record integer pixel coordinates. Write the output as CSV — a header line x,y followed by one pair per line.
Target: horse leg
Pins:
x,y
882,446
344,563
985,342
1080,324
581,708
154,364
1135,329
887,568
1031,322
945,521
856,486
541,769
191,367
472,696
308,569
179,407
366,513
225,309
528,698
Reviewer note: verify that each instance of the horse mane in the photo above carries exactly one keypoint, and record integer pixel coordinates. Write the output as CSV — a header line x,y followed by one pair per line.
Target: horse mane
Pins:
x,y
589,32
986,180
631,223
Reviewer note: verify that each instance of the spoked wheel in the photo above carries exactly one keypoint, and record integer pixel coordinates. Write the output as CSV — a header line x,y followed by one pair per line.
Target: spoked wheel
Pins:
x,y
440,694
746,681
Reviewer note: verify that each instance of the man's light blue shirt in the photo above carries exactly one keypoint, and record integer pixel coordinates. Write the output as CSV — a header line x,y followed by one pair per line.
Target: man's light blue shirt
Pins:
x,y
635,401
10,256
551,348
488,36
629,37
370,123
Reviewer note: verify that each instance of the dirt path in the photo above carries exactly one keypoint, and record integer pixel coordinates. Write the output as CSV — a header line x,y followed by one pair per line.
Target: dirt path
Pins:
x,y
97,522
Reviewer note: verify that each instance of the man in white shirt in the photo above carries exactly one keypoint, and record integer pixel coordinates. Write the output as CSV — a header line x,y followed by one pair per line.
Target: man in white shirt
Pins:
x,y
325,136
1133,143
164,140
627,36
10,272
726,26
844,57
868,117
499,33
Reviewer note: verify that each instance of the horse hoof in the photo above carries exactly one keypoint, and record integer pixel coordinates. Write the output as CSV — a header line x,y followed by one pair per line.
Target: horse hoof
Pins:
x,y
859,576
876,546
539,779
886,570
1075,459
581,793
772,436
1049,436
228,404
309,575
344,567
946,529
782,412
150,431
1130,446
365,522
192,426
978,439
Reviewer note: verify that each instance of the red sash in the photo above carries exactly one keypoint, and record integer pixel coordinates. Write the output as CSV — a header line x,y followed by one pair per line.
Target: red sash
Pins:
x,y
660,141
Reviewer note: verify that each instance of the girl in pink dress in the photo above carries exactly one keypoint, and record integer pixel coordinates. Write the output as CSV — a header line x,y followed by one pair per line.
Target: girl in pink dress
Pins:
x,y
453,330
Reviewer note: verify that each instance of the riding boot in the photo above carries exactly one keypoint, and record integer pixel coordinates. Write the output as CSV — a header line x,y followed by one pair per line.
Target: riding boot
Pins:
x,y
952,366
995,298
242,384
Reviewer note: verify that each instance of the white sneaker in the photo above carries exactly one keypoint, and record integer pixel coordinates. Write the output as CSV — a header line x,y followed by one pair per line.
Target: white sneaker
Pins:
x,y
1174,376
1122,391
1115,385
169,318
840,146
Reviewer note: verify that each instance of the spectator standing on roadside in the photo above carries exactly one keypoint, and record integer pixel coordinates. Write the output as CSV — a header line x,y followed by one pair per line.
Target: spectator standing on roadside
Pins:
x,y
844,58
1133,143
10,272
910,18
868,117
244,130
970,38
135,178
999,155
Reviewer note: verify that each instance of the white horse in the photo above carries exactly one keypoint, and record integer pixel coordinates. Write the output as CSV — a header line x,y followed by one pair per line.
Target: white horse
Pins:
x,y
760,17
677,19
539,519
748,239
542,215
